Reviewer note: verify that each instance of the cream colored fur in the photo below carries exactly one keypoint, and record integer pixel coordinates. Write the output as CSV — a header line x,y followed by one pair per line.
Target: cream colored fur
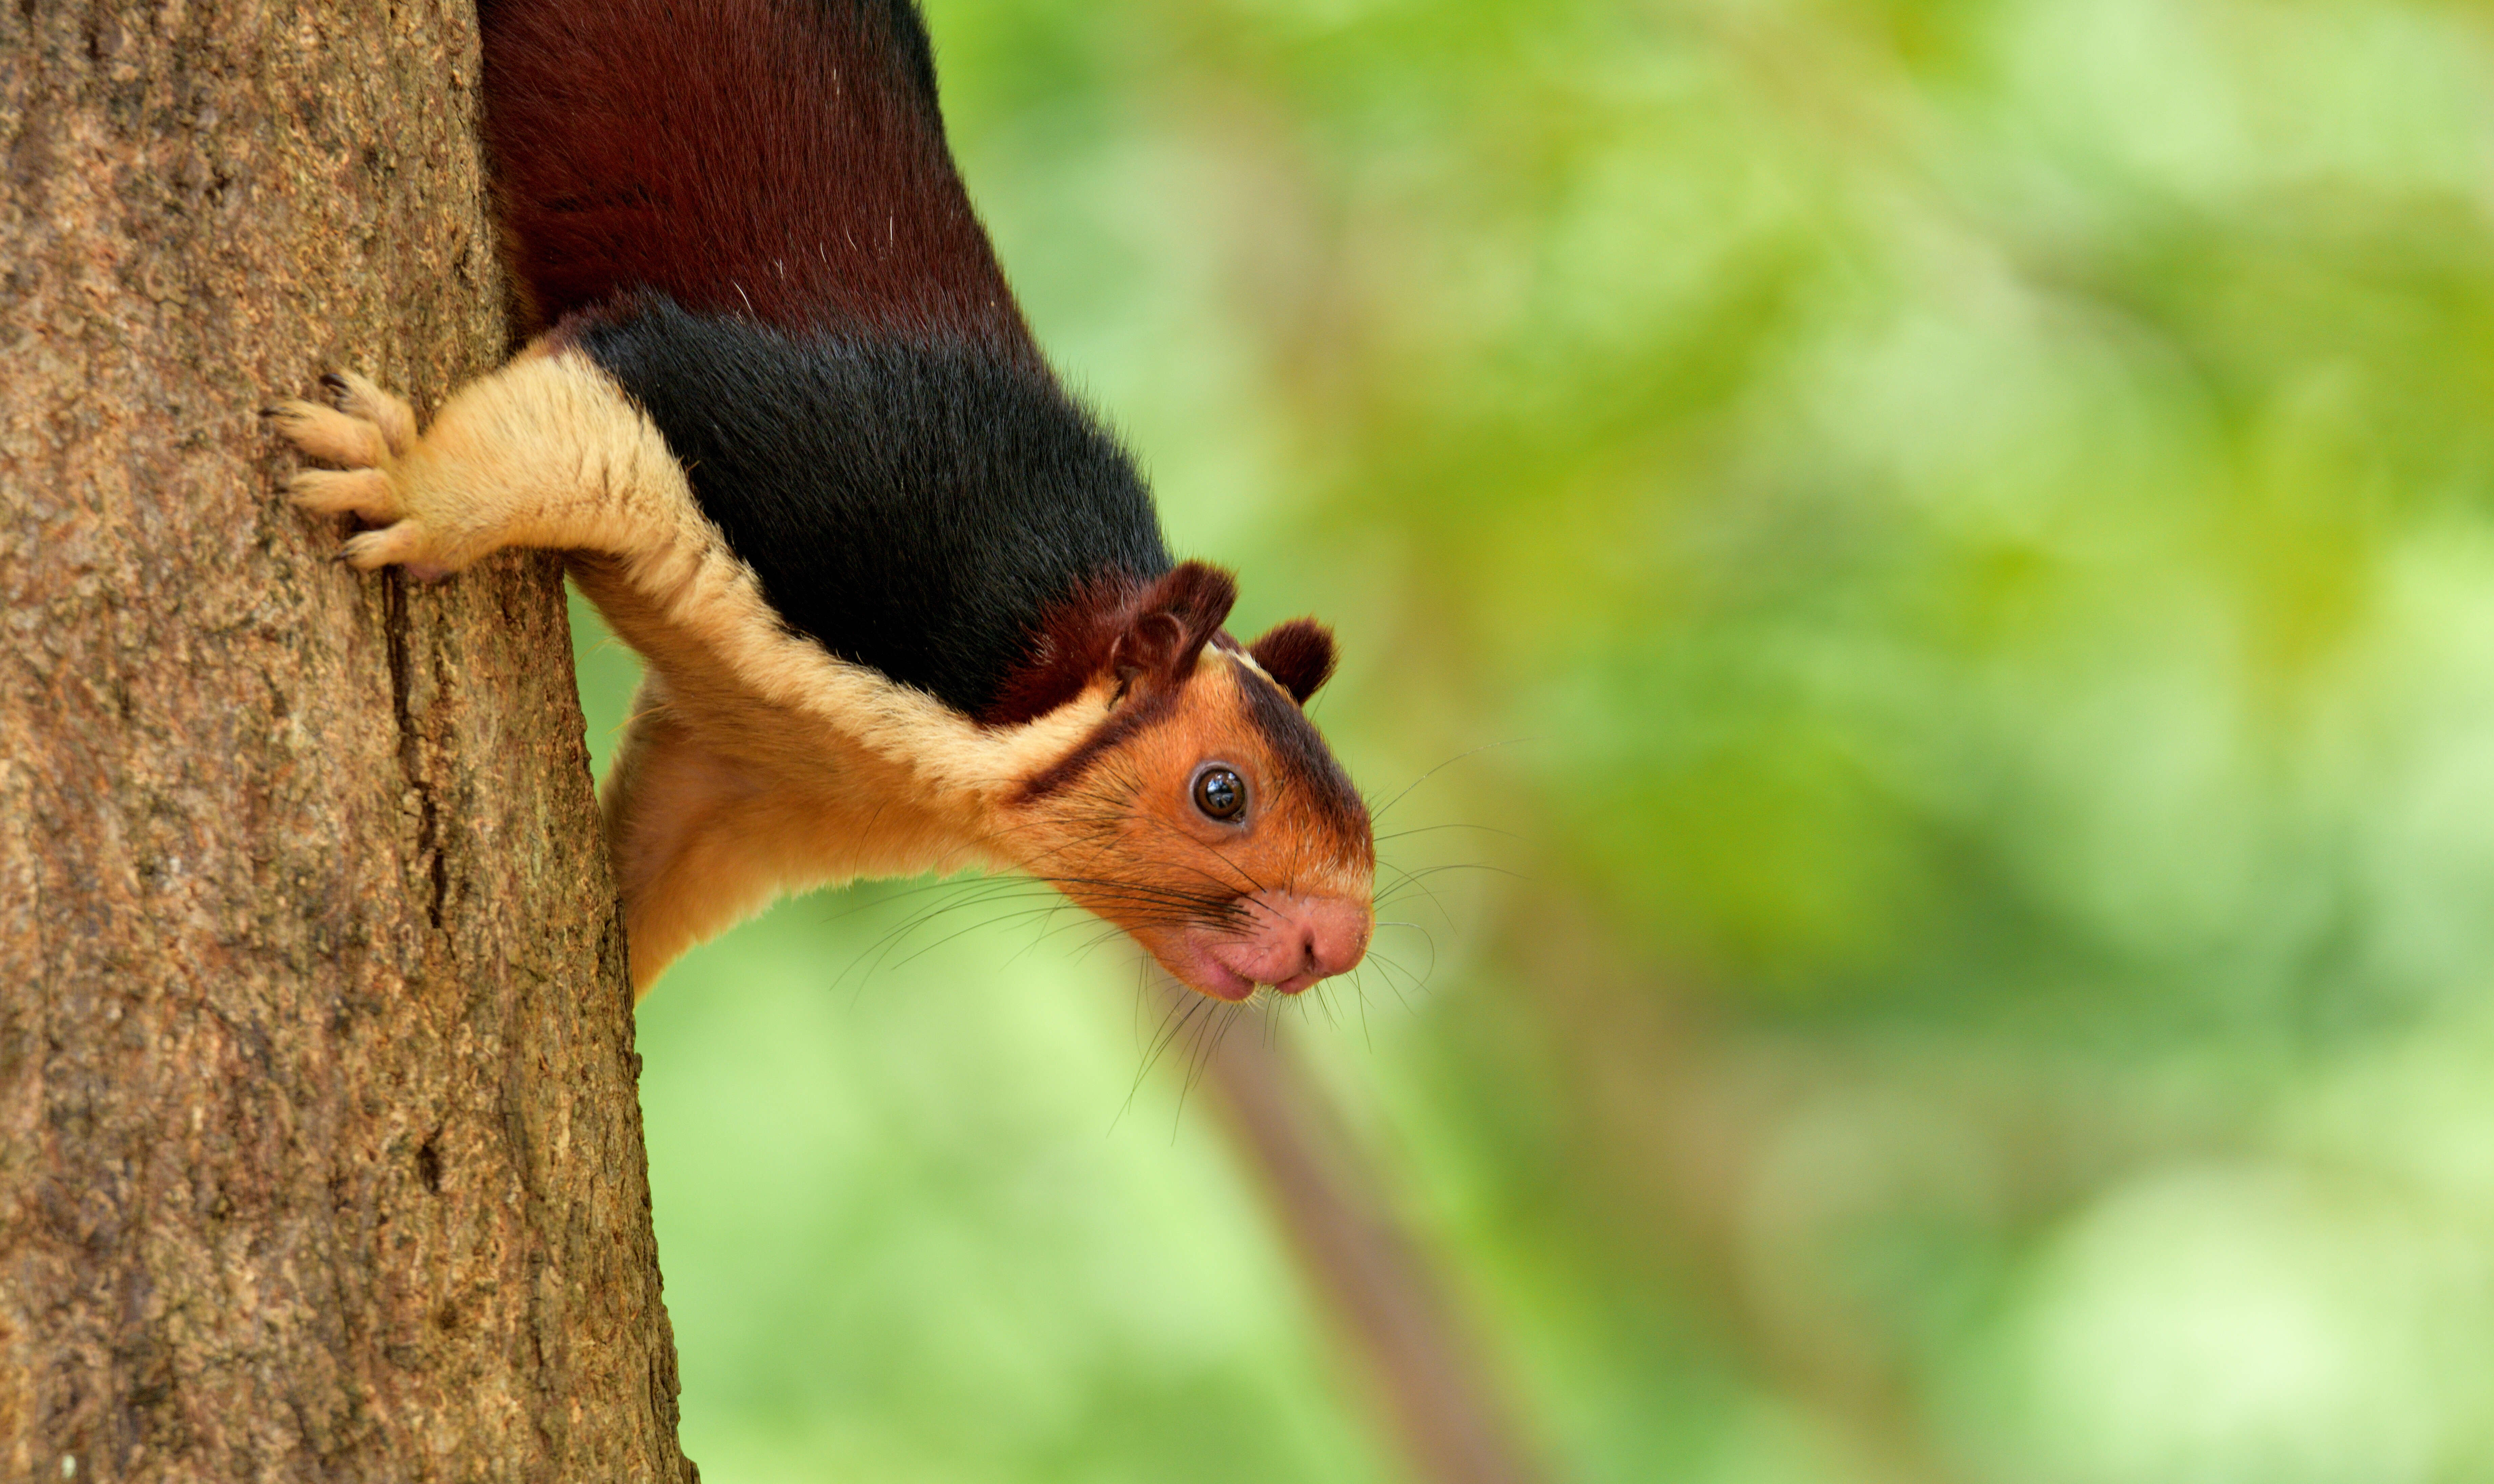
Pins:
x,y
755,762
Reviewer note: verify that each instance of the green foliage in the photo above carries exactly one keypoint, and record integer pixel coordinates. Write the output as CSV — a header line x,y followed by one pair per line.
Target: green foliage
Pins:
x,y
1962,529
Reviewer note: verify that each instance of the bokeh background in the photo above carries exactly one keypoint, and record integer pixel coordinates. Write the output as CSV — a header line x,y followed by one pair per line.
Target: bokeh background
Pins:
x,y
1928,568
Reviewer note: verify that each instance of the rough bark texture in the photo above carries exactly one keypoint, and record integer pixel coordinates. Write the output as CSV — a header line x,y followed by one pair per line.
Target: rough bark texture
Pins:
x,y
320,1149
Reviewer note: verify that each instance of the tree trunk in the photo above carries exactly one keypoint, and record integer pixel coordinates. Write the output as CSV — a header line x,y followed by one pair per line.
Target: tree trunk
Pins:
x,y
320,1149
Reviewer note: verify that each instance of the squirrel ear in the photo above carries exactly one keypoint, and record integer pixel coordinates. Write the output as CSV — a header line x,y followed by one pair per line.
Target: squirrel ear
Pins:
x,y
1298,655
1170,623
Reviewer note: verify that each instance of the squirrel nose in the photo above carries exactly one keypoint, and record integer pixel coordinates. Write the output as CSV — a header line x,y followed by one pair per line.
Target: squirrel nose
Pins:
x,y
1291,942
1332,937
1335,937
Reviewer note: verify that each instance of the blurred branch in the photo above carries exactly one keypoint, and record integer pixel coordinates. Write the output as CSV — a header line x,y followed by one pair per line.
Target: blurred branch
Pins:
x,y
1681,1112
1382,1289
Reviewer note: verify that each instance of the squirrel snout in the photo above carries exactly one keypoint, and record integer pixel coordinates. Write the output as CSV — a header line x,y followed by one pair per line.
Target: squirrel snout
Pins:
x,y
1292,941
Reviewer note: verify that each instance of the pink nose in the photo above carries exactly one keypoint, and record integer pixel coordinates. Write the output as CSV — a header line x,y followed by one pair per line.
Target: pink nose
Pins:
x,y
1292,941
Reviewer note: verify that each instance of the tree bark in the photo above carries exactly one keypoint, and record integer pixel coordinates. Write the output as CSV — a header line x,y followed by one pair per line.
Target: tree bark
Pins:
x,y
320,1145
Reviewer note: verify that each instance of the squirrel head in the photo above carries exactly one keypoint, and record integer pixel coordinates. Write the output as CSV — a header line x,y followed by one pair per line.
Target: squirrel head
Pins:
x,y
1205,815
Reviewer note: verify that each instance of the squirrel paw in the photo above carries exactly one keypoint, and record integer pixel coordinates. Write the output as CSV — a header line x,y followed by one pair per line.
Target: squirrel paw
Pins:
x,y
368,434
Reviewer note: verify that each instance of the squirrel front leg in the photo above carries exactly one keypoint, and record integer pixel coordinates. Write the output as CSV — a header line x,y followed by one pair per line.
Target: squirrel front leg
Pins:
x,y
740,774
545,452
548,453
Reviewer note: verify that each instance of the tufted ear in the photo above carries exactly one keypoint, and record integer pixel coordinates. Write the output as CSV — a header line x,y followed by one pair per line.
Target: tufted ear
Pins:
x,y
1300,654
1171,621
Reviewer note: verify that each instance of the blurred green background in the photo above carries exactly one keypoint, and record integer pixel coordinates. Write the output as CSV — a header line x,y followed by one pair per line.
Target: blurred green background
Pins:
x,y
1949,544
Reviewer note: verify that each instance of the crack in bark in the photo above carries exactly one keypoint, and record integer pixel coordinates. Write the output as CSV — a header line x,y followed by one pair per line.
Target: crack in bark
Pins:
x,y
428,1162
411,746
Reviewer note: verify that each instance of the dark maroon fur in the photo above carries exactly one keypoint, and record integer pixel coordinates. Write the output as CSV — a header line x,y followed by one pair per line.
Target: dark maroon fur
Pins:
x,y
1146,633
1298,655
1177,616
781,160
1073,644
1151,644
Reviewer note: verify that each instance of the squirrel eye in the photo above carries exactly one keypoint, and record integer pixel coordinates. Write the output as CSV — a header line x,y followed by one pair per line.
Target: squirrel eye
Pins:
x,y
1220,793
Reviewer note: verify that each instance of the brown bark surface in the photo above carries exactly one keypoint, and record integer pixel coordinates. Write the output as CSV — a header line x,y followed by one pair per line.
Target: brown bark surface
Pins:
x,y
319,1147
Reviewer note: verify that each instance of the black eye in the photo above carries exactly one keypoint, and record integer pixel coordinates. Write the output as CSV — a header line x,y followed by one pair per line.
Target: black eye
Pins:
x,y
1220,793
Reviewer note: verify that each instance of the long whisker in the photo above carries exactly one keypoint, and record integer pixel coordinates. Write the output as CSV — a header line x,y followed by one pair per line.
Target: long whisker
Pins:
x,y
1173,1025
1434,829
1378,813
876,955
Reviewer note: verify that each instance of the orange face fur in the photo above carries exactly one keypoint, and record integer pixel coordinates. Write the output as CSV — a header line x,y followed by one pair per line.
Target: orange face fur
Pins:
x,y
1207,818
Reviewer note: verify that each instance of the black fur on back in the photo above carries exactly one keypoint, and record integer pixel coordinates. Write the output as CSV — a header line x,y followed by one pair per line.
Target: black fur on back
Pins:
x,y
918,56
916,507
